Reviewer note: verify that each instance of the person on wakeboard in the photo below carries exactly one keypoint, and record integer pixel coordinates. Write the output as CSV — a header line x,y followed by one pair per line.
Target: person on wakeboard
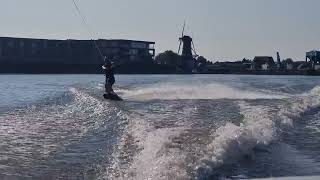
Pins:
x,y
108,68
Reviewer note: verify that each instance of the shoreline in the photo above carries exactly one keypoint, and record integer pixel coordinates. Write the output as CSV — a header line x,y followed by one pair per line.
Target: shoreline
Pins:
x,y
244,74
137,68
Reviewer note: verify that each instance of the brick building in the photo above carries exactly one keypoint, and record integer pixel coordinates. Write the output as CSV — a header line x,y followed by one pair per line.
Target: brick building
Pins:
x,y
17,51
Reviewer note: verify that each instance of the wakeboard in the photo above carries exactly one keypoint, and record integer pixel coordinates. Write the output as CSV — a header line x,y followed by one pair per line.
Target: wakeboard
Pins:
x,y
113,97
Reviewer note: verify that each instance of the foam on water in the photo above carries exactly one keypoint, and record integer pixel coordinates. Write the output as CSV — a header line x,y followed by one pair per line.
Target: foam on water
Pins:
x,y
148,152
298,105
194,91
146,149
153,158
156,160
257,128
156,151
232,141
87,103
46,129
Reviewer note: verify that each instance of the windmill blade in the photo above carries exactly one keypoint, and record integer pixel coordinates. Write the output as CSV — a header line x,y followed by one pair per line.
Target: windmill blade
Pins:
x,y
194,49
184,26
182,34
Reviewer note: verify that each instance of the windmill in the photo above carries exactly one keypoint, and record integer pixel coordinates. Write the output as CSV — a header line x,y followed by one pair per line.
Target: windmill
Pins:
x,y
187,57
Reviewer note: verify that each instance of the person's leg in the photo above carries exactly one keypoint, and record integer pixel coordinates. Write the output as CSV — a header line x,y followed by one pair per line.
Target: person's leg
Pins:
x,y
111,90
111,85
108,88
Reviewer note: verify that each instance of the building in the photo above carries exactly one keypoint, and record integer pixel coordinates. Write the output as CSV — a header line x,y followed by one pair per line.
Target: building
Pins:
x,y
263,63
302,66
127,50
314,58
17,51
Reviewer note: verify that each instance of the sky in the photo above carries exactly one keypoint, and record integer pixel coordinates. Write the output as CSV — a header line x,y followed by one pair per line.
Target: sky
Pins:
x,y
222,30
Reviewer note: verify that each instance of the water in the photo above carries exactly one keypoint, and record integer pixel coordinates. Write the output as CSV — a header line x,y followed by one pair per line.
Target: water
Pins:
x,y
168,127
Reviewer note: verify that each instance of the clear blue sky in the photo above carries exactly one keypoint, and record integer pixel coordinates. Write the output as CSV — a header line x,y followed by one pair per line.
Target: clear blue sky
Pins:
x,y
222,29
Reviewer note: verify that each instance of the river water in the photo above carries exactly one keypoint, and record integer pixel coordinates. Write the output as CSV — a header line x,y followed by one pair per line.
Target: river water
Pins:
x,y
167,127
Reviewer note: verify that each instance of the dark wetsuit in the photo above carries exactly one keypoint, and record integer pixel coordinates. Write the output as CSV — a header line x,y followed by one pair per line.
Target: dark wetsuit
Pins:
x,y
109,73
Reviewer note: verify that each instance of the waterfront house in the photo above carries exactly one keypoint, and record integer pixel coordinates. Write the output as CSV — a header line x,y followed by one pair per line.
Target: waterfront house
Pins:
x,y
263,63
302,65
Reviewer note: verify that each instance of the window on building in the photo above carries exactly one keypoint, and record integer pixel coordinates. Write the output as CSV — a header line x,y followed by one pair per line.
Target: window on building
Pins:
x,y
133,51
45,44
139,45
114,44
151,46
116,50
10,44
151,52
34,45
21,44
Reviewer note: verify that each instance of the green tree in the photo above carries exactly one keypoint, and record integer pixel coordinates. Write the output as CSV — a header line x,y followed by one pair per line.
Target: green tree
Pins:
x,y
288,61
168,57
202,60
244,60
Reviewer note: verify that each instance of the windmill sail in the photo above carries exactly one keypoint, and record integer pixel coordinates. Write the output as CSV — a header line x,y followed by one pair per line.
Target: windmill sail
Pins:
x,y
182,34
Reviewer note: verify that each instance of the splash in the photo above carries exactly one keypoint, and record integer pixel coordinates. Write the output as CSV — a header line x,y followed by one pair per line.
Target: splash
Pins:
x,y
147,152
232,141
299,105
258,127
54,123
197,91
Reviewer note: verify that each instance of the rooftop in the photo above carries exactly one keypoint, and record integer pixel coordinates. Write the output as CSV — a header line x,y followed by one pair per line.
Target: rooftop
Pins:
x,y
124,40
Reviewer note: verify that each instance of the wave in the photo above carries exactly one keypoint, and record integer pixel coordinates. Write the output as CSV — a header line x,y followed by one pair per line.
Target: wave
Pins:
x,y
258,128
200,91
142,153
153,154
231,141
49,127
145,151
299,105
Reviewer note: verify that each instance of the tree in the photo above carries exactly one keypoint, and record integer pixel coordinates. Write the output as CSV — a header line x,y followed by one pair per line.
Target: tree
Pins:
x,y
202,60
244,60
202,63
168,57
288,61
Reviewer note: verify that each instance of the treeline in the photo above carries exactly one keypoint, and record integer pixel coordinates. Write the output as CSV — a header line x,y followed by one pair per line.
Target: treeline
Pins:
x,y
173,59
167,62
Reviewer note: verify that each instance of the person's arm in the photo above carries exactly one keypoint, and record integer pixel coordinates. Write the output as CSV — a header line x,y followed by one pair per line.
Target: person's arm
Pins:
x,y
105,63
